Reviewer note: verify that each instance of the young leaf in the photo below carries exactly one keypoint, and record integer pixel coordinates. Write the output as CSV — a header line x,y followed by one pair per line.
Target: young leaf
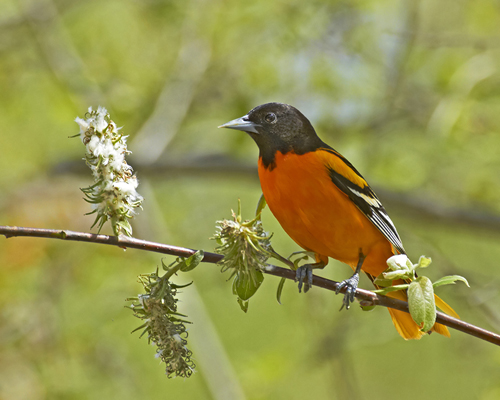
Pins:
x,y
423,262
401,274
450,280
382,282
192,262
421,303
245,287
243,304
260,206
280,289
388,289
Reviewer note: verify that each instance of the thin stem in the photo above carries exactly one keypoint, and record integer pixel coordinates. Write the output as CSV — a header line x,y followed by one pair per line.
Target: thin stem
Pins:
x,y
366,297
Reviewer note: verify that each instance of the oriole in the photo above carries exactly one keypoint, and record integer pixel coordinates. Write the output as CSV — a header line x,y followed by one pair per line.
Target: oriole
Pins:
x,y
324,204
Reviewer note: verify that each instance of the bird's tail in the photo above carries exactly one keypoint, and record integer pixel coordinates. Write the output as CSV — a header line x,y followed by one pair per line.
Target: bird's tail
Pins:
x,y
405,325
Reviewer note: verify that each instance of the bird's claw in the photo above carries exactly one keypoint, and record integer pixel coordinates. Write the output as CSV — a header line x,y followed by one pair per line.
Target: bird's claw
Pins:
x,y
351,285
305,271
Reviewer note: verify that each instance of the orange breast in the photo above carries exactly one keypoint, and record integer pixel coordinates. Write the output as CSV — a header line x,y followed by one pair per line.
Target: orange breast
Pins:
x,y
317,215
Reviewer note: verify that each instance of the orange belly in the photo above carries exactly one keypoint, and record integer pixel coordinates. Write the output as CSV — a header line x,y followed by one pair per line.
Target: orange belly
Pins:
x,y
317,215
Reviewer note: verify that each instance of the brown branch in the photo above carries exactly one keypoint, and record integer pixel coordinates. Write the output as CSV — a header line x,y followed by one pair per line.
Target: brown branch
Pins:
x,y
365,296
120,241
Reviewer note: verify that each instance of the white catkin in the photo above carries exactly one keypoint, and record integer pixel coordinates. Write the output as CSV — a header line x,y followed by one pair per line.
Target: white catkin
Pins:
x,y
115,196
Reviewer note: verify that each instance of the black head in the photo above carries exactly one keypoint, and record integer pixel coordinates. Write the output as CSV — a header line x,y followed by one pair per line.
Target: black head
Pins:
x,y
277,127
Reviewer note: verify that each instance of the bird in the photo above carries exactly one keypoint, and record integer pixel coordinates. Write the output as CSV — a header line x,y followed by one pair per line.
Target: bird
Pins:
x,y
324,204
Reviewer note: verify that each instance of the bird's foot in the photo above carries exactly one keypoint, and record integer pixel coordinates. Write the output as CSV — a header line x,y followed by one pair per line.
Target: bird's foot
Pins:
x,y
351,285
305,271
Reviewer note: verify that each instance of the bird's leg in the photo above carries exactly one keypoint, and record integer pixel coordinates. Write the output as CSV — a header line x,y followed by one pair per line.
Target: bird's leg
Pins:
x,y
351,284
305,271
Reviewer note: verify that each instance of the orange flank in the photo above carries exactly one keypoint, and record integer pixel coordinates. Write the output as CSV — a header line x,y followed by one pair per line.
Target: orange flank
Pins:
x,y
317,215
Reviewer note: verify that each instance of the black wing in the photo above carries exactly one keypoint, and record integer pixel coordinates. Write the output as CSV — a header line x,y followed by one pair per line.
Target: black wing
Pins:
x,y
362,195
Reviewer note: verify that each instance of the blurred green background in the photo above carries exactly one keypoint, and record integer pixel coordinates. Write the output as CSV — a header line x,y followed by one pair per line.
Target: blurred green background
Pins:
x,y
408,91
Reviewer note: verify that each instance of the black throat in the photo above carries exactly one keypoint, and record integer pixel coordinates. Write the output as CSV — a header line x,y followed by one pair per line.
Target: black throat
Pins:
x,y
268,147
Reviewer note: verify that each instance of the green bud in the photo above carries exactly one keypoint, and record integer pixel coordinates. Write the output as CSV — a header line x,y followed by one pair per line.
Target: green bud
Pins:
x,y
245,247
423,262
399,262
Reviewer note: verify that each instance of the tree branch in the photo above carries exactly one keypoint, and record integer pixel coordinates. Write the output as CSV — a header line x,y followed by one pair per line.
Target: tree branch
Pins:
x,y
366,297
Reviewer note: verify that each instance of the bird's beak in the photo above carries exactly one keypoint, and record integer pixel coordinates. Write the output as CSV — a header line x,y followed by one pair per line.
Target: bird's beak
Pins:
x,y
241,124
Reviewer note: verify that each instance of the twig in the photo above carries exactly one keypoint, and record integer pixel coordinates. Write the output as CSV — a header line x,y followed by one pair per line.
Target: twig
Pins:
x,y
120,241
365,296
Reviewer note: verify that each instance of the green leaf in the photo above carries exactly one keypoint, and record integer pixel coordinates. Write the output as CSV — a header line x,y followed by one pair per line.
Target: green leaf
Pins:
x,y
450,280
140,327
260,206
280,289
243,304
388,289
421,303
380,281
401,274
244,286
423,262
193,261
164,266
174,286
368,308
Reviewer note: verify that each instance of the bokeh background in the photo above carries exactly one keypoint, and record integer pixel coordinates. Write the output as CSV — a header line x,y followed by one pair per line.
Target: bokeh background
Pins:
x,y
408,91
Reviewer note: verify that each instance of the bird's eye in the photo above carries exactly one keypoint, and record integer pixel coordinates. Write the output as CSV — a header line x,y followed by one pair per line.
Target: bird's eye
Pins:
x,y
270,118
